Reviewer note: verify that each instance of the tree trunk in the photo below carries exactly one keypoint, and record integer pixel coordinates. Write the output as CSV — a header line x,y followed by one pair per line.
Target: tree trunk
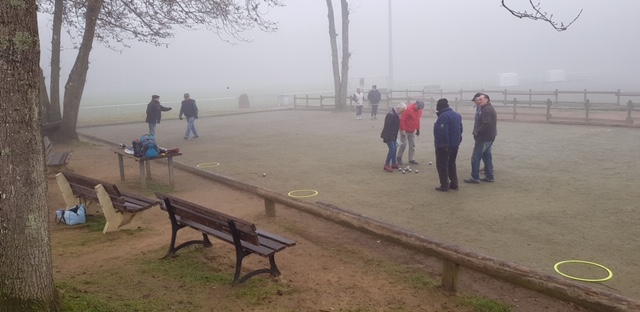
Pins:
x,y
334,57
78,76
26,276
45,105
54,84
346,55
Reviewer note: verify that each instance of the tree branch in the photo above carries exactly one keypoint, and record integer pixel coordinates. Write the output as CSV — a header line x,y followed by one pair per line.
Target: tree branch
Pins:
x,y
539,15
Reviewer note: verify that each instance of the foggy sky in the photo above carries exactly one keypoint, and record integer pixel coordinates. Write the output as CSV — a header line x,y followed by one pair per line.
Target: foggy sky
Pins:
x,y
433,41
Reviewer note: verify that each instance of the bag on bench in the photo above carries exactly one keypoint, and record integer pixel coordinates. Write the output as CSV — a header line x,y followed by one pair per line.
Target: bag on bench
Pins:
x,y
71,216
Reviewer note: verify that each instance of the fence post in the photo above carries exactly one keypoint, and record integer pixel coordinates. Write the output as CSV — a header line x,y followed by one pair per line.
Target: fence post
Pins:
x,y
270,208
629,109
449,279
556,100
618,96
586,110
515,101
321,106
549,109
456,104
294,100
506,93
530,98
307,97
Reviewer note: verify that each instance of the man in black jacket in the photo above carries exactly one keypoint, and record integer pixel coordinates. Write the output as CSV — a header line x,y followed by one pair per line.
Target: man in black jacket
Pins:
x,y
484,133
374,99
190,110
154,110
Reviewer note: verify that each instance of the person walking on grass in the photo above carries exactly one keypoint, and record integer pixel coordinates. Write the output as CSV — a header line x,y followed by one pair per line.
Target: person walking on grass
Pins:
x,y
358,97
409,130
484,133
447,136
374,98
154,113
190,110
389,135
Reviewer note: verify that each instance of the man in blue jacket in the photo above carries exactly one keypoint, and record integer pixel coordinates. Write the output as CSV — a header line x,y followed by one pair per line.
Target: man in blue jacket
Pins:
x,y
447,134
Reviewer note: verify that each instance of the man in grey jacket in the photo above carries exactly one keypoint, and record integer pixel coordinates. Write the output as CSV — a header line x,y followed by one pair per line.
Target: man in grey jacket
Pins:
x,y
484,133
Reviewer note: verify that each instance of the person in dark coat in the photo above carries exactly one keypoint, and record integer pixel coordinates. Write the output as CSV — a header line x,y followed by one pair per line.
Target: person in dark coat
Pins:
x,y
154,110
484,133
190,110
374,98
389,135
447,136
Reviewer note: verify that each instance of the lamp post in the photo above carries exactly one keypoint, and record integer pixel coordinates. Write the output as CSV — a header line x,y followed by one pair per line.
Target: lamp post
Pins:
x,y
390,50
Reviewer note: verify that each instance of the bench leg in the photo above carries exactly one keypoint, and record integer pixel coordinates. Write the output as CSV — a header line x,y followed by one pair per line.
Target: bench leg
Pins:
x,y
143,177
121,166
113,217
69,199
173,249
272,270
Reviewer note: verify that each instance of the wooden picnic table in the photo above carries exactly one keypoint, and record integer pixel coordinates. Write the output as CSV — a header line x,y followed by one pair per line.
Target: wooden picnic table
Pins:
x,y
145,165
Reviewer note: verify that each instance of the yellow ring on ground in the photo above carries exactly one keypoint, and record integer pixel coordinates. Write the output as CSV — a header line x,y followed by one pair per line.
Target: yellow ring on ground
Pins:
x,y
555,267
313,193
208,165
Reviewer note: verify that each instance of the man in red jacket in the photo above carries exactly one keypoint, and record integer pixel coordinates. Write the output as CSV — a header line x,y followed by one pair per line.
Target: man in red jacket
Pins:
x,y
409,130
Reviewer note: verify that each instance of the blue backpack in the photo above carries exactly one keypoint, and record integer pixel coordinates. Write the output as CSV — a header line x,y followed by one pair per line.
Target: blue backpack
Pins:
x,y
149,147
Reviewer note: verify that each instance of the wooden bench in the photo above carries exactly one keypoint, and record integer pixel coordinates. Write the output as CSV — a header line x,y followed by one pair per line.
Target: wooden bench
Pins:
x,y
119,208
242,234
54,158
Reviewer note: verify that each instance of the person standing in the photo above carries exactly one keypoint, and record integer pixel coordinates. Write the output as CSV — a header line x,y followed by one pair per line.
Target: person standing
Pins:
x,y
374,98
154,112
409,130
447,136
358,97
484,133
190,110
389,135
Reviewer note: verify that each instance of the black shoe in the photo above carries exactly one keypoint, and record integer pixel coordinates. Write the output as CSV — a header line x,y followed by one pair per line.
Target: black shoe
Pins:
x,y
413,162
472,181
399,160
486,180
453,187
441,189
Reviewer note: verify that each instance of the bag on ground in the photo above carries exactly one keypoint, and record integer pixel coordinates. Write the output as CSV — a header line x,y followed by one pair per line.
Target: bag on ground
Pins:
x,y
72,216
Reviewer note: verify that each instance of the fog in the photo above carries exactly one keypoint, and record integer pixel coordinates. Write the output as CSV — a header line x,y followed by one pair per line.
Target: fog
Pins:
x,y
434,43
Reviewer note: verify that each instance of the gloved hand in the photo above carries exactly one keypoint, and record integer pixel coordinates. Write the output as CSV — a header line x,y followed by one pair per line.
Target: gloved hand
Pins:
x,y
418,132
384,140
170,108
196,117
180,117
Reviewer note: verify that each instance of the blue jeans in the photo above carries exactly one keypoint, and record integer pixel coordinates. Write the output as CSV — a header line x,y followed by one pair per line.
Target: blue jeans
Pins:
x,y
482,151
191,127
152,128
391,155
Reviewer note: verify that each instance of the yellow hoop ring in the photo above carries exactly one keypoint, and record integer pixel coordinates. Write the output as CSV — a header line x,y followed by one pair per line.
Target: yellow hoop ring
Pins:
x,y
208,165
555,267
313,193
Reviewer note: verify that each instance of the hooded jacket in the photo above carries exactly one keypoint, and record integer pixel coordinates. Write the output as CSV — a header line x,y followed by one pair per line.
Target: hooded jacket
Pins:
x,y
447,130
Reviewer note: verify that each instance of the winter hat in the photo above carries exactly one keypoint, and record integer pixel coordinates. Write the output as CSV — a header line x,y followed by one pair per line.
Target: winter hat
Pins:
x,y
476,96
442,104
153,97
186,95
420,104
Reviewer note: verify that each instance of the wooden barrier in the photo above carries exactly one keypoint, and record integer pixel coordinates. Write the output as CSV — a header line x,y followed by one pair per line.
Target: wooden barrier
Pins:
x,y
454,256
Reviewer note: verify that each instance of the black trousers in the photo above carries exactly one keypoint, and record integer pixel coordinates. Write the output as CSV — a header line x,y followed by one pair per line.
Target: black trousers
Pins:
x,y
446,165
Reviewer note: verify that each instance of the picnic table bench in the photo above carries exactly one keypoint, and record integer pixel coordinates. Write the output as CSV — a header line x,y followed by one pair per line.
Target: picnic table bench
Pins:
x,y
242,234
119,208
145,165
54,158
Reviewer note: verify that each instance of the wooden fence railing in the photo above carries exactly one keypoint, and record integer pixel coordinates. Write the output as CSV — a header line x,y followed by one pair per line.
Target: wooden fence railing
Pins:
x,y
582,106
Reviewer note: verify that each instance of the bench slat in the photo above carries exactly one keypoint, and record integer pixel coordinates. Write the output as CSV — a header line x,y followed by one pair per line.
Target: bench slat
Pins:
x,y
258,249
278,238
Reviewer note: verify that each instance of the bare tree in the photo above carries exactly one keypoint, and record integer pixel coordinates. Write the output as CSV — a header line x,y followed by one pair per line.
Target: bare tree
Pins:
x,y
152,21
340,73
26,275
538,14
